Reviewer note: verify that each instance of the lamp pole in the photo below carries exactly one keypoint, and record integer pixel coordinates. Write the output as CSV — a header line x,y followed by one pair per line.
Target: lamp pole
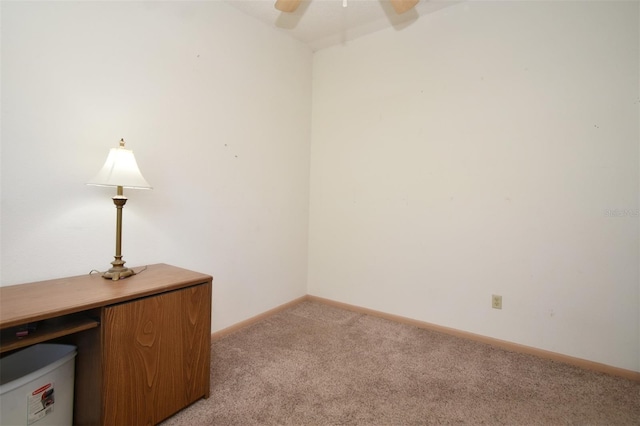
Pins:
x,y
118,270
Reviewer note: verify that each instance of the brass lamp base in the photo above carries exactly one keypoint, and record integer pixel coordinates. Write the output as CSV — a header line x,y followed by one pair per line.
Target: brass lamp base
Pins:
x,y
118,271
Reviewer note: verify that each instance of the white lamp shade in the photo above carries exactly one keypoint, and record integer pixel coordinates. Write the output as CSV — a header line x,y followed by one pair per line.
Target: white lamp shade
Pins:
x,y
120,169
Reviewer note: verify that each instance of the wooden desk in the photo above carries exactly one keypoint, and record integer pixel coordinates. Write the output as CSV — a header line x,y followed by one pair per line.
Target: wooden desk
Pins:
x,y
144,342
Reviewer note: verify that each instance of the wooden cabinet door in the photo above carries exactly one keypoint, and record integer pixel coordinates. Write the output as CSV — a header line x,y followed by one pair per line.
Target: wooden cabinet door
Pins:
x,y
156,355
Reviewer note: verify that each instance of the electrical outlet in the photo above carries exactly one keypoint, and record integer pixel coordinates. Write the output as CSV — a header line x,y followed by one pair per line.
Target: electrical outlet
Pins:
x,y
496,301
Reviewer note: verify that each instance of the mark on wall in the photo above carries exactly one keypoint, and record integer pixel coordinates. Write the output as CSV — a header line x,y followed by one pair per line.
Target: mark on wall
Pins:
x,y
226,146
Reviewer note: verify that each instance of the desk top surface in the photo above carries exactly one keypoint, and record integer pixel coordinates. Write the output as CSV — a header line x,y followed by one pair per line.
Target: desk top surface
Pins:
x,y
23,303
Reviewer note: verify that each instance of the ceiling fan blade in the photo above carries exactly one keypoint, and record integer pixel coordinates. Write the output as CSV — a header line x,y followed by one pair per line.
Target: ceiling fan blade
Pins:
x,y
287,5
402,6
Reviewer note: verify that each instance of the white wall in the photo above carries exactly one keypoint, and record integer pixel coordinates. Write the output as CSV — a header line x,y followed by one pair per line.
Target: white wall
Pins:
x,y
216,108
489,148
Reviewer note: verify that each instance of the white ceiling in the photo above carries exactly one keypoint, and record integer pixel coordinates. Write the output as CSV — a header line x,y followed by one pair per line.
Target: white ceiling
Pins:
x,y
323,23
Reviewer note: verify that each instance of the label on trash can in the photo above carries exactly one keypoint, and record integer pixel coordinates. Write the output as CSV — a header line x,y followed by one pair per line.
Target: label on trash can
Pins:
x,y
40,403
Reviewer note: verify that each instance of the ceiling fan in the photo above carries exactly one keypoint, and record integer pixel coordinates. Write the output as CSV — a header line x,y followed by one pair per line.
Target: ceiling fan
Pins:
x,y
400,6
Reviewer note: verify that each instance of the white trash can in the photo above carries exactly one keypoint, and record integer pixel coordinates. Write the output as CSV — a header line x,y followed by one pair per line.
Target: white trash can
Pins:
x,y
36,386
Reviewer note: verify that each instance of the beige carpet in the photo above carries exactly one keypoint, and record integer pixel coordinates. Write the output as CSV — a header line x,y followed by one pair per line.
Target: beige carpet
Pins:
x,y
314,364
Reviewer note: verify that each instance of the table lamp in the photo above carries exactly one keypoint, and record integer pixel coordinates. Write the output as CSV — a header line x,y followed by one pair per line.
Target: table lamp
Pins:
x,y
120,170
